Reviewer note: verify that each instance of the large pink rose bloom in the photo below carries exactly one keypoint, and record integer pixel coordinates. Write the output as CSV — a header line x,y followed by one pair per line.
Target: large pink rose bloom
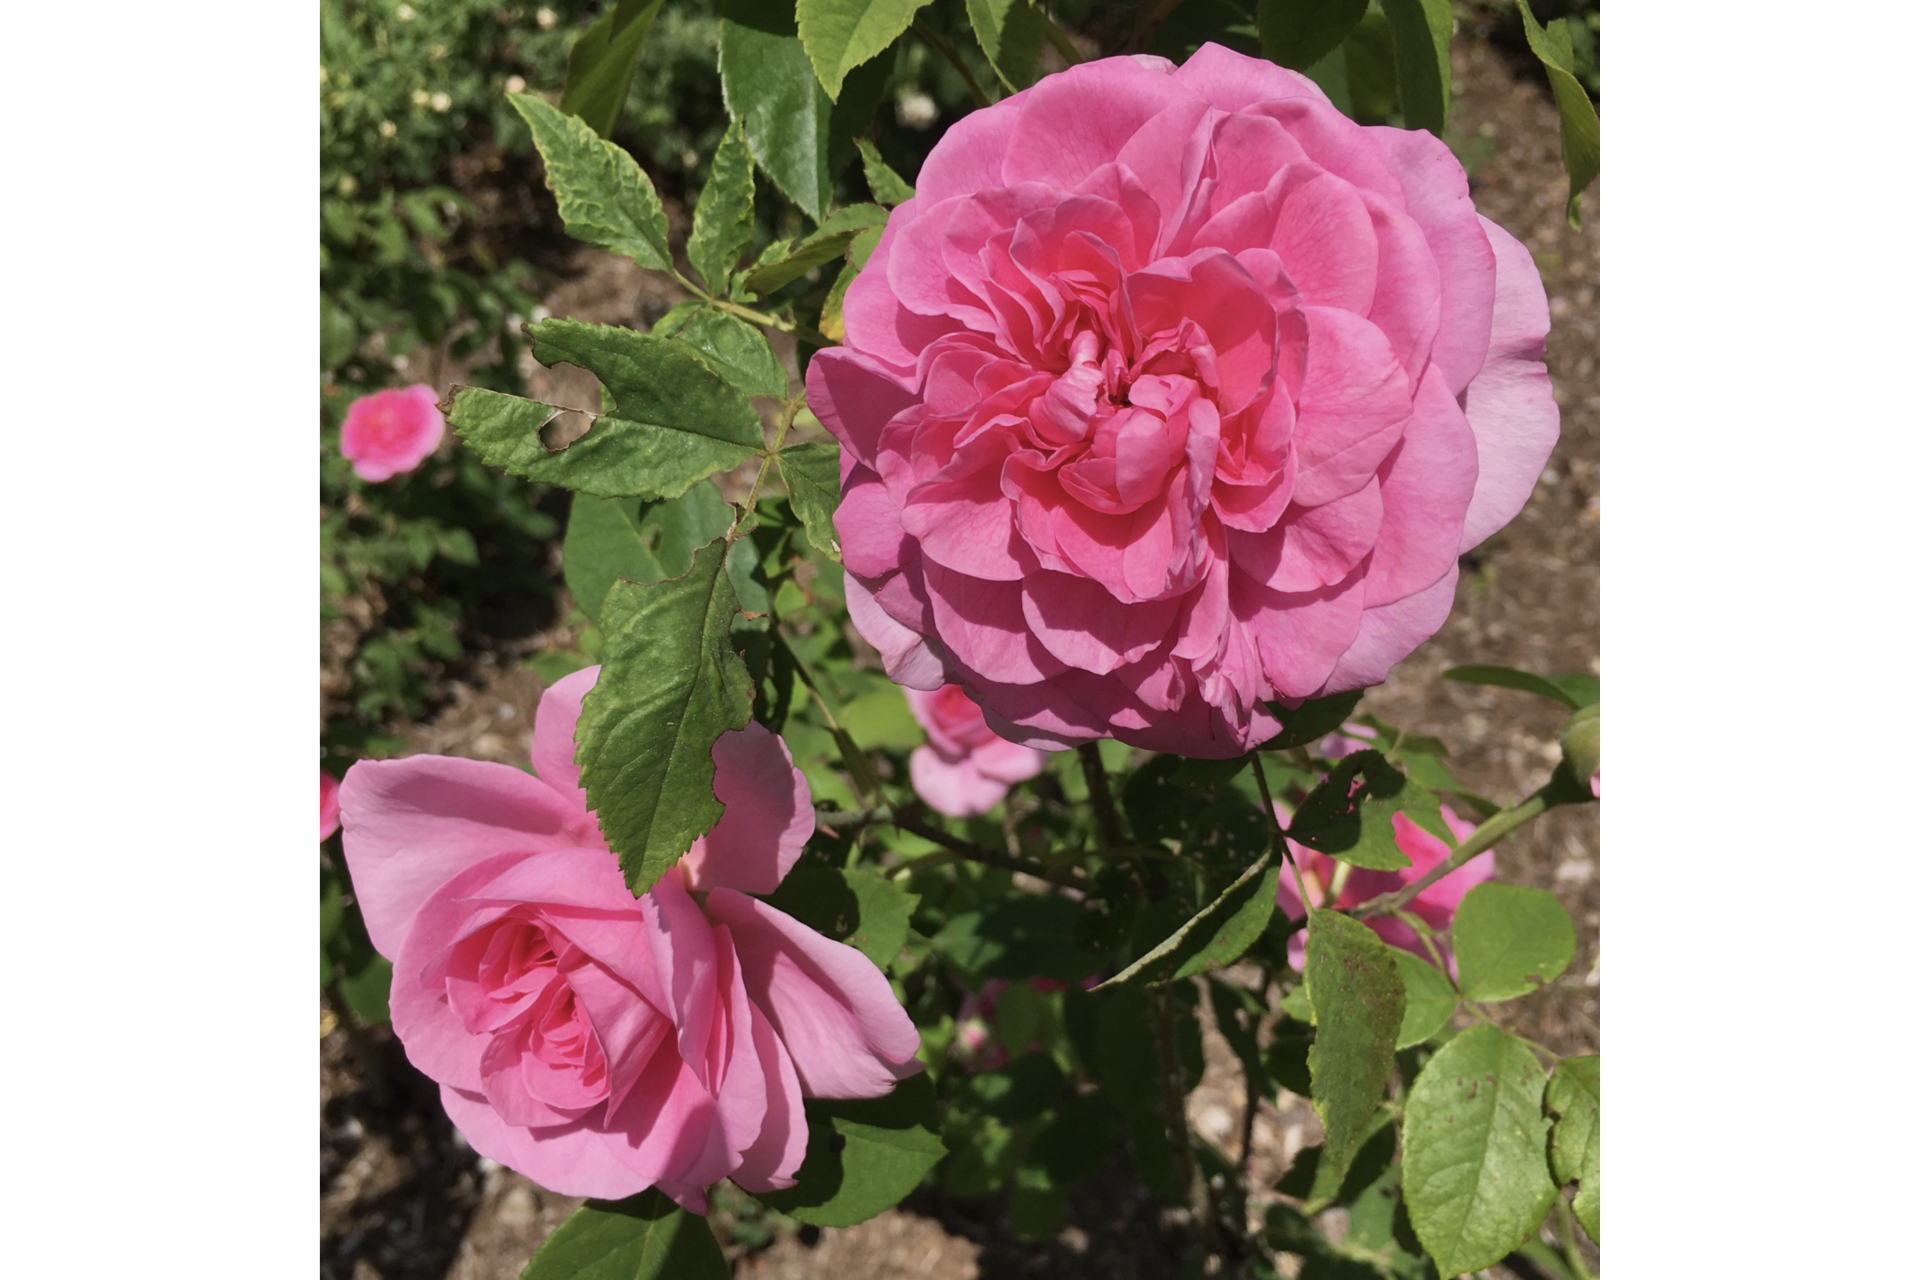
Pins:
x,y
1174,393
965,768
1434,904
597,1043
392,431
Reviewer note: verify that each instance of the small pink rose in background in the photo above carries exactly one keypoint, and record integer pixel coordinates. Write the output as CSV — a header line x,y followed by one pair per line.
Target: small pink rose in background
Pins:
x,y
1434,904
1593,784
1172,397
392,431
596,1043
974,1042
1346,740
965,768
329,804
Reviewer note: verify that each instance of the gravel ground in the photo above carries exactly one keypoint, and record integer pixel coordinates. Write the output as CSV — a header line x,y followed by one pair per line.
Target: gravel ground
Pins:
x,y
403,1198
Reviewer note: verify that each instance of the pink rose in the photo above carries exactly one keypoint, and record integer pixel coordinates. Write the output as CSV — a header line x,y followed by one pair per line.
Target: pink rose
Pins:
x,y
1434,904
966,767
329,804
597,1043
1174,393
391,431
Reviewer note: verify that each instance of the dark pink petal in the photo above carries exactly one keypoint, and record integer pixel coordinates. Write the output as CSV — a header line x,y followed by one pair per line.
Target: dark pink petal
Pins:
x,y
873,396
329,804
1080,623
1072,123
904,653
1315,547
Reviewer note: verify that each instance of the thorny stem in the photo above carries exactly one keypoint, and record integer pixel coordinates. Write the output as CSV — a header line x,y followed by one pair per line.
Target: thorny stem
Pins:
x,y
952,55
1484,837
1280,836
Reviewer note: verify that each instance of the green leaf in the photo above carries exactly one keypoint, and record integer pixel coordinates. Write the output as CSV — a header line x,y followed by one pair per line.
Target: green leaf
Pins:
x,y
1350,814
366,986
1574,1095
1475,1143
734,349
1029,936
601,63
861,909
644,1237
1431,999
1586,1205
605,199
1214,938
723,219
1371,77
1581,687
830,241
1311,721
673,423
1358,1007
1298,33
1509,678
1579,122
1510,940
1011,33
839,35
812,475
613,538
670,685
888,187
798,136
1021,1090
1422,32
863,1156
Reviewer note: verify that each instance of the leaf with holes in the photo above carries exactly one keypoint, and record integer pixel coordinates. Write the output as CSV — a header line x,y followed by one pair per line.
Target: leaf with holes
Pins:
x,y
673,420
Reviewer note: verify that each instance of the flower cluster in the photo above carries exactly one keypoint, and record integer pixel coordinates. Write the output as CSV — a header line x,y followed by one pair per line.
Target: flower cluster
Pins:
x,y
1172,398
598,1043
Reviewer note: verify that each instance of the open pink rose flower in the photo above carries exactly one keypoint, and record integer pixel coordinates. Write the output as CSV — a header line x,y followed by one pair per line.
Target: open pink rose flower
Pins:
x,y
597,1043
1434,904
966,767
391,431
1173,394
329,804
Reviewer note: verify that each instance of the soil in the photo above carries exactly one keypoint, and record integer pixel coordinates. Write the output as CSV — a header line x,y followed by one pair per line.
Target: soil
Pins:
x,y
404,1198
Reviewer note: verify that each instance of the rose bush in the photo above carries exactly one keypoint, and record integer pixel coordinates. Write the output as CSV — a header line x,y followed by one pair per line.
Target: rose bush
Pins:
x,y
1172,395
391,432
965,768
597,1043
1434,904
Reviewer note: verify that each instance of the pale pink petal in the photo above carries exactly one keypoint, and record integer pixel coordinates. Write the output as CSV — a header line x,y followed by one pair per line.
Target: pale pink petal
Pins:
x,y
411,825
1390,633
572,1160
768,818
956,788
1231,81
908,660
1425,485
834,1011
553,730
1354,405
1510,402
